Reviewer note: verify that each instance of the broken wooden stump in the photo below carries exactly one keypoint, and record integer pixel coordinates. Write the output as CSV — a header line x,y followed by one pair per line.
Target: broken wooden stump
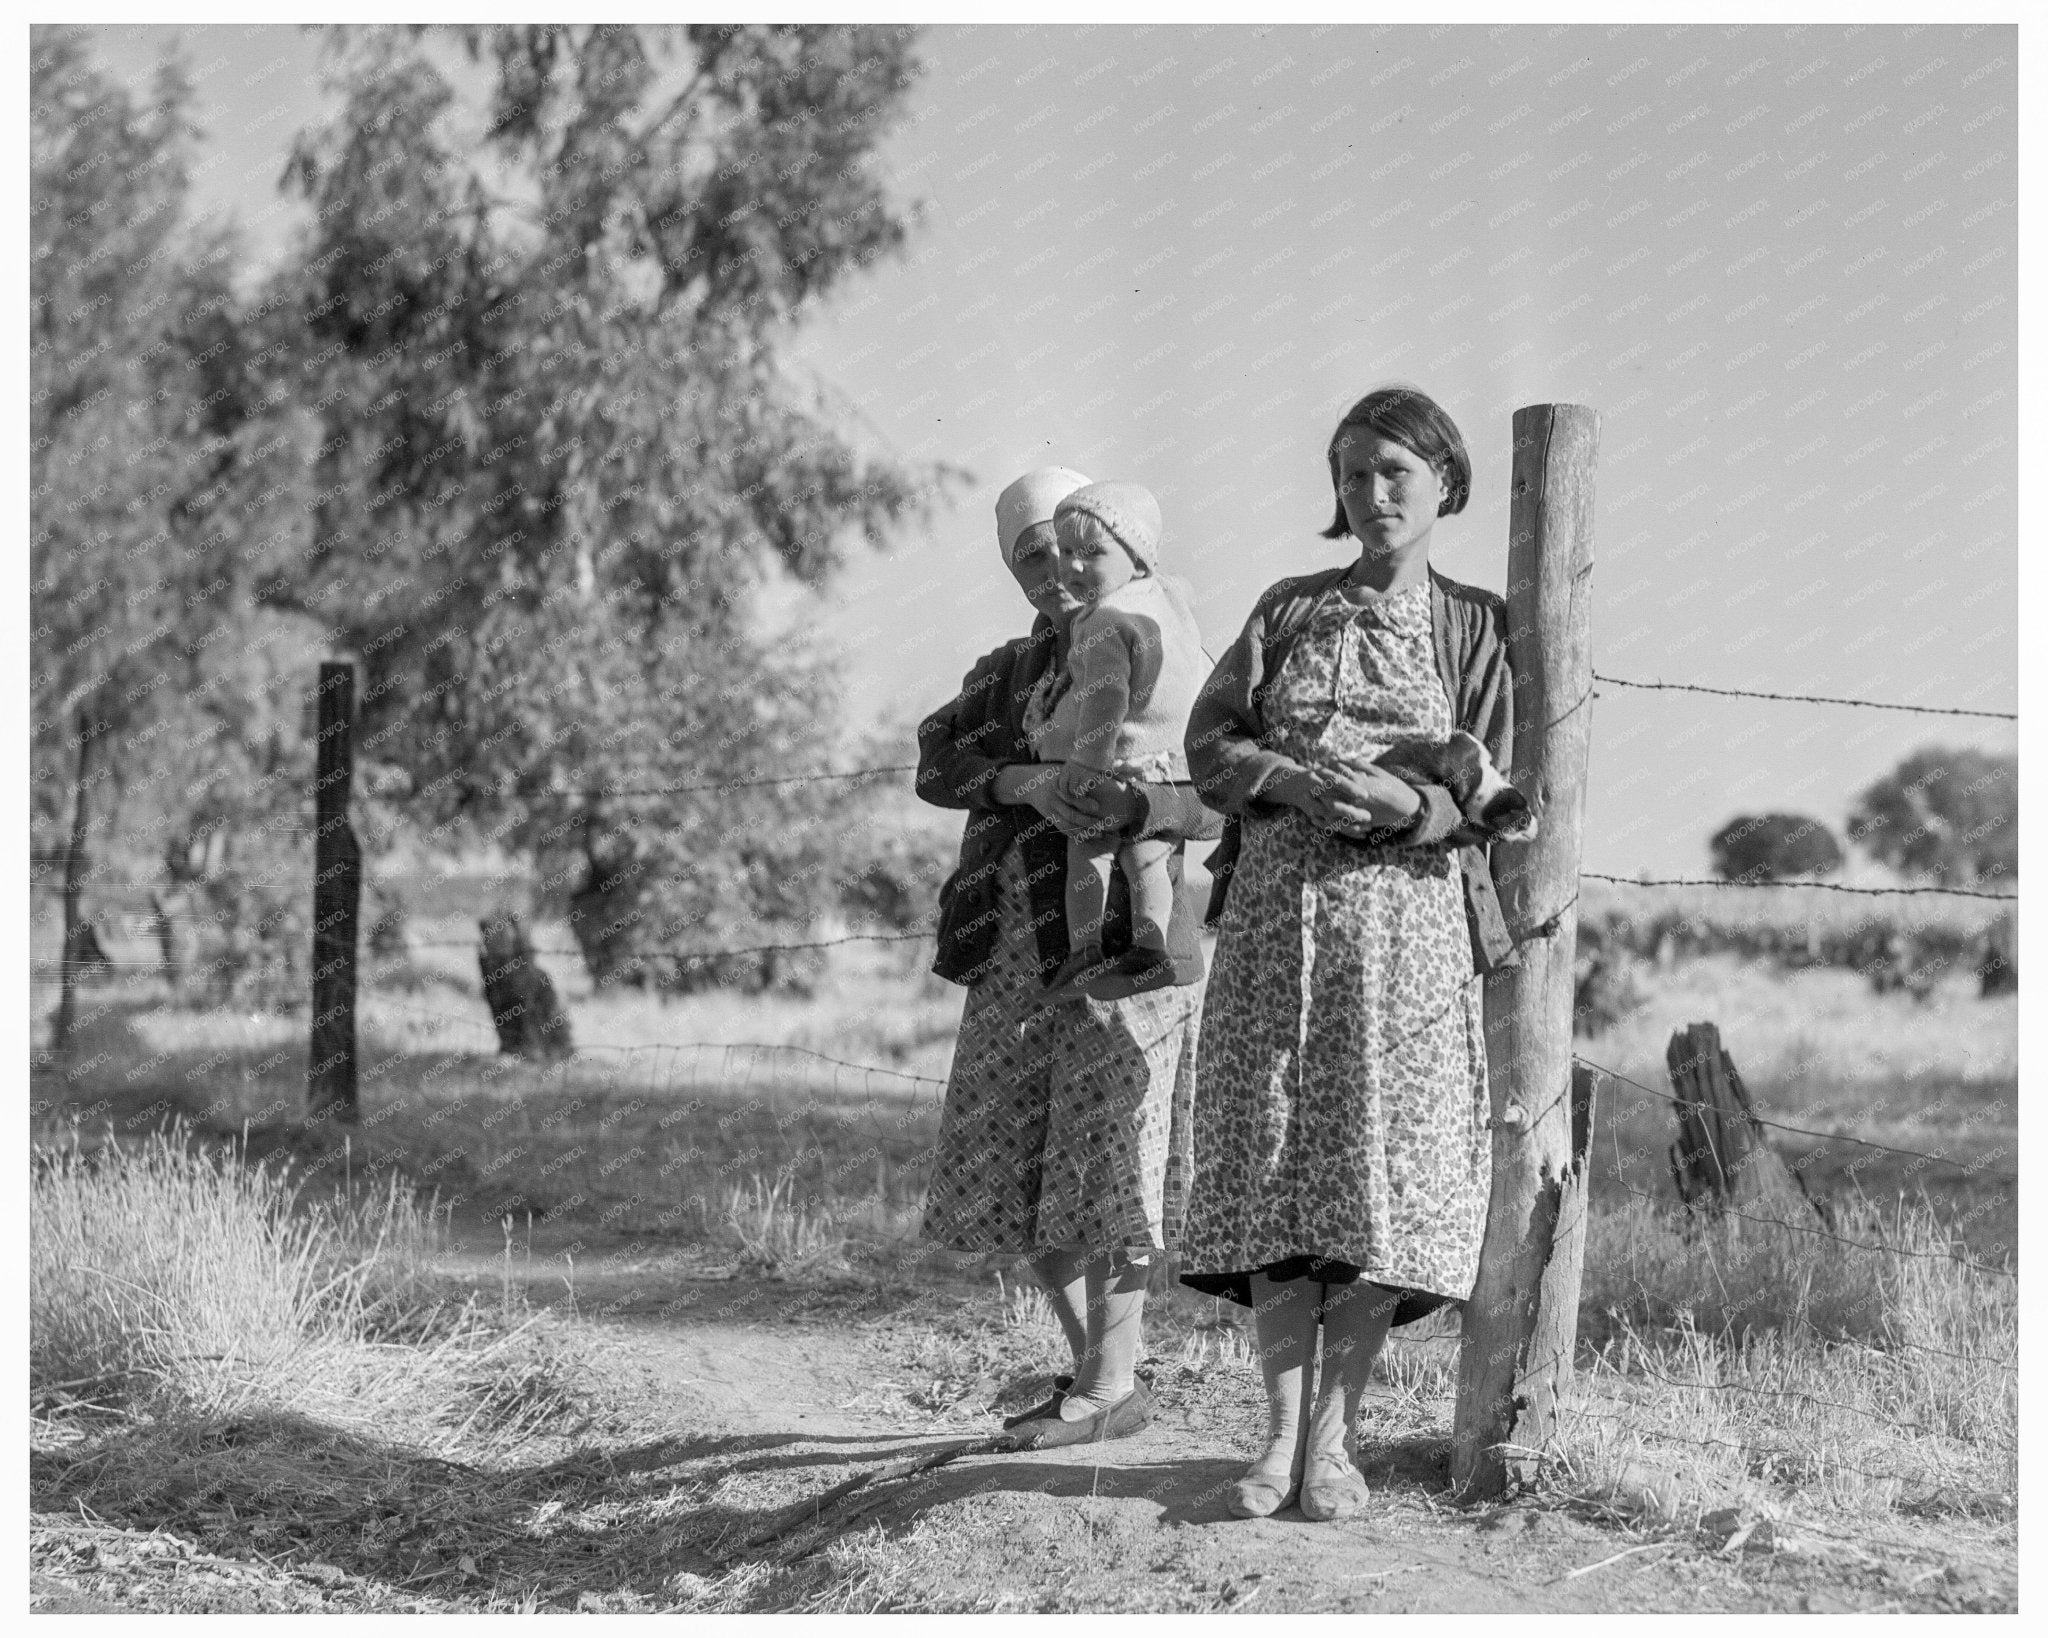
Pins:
x,y
83,952
1721,1162
1998,958
529,1017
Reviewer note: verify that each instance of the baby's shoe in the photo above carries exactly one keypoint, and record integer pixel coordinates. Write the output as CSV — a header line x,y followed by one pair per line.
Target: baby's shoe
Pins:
x,y
1138,969
1068,983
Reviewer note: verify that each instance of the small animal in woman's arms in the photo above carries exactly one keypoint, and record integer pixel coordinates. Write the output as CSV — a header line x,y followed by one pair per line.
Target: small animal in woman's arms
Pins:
x,y
1489,802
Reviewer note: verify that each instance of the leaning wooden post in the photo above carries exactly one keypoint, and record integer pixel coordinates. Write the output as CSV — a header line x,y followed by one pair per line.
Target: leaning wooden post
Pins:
x,y
337,894
1521,1322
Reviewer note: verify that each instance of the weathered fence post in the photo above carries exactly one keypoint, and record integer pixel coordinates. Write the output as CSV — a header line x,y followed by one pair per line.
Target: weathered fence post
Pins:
x,y
1521,1322
1721,1159
76,866
337,895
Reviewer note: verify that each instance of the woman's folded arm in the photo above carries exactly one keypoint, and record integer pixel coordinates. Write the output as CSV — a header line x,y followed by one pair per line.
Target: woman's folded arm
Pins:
x,y
1437,820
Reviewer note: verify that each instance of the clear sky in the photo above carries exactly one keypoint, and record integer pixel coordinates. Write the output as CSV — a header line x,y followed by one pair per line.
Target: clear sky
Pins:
x,y
1781,262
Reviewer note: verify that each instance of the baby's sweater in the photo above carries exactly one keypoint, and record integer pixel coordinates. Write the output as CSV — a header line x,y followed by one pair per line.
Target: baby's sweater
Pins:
x,y
1134,666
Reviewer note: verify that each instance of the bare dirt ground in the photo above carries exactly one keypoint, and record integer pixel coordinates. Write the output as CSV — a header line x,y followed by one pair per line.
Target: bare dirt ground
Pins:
x,y
717,1404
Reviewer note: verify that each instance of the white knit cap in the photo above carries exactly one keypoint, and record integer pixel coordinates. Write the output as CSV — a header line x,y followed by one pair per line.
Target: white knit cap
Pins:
x,y
1030,500
1129,511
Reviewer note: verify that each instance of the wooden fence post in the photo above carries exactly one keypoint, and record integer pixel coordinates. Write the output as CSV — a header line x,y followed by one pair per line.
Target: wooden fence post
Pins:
x,y
76,866
337,895
1521,1323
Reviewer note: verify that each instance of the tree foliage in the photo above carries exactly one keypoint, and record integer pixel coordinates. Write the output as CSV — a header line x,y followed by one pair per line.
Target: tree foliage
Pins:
x,y
111,433
1951,815
560,452
162,475
1774,847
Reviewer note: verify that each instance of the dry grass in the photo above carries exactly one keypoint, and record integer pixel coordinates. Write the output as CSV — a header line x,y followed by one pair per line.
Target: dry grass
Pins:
x,y
184,1283
1744,1359
205,1342
777,1233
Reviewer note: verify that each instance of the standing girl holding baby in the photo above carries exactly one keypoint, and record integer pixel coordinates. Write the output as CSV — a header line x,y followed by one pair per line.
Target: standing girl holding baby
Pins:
x,y
1064,1138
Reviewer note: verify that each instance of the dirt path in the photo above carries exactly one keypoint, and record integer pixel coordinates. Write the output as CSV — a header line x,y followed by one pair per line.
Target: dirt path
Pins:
x,y
773,1393
719,1406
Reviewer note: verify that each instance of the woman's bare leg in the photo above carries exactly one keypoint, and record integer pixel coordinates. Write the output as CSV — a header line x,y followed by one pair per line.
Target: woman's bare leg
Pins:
x,y
1060,1272
1284,1323
1355,1320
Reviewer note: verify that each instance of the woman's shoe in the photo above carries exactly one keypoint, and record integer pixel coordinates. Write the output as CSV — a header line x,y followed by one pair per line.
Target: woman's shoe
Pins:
x,y
1332,1488
1051,1407
1260,1498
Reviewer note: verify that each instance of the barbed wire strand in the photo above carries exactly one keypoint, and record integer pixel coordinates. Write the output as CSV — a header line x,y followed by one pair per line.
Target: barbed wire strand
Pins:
x,y
1739,1446
1839,1239
1803,1131
1826,887
1890,1344
102,888
469,1021
710,785
464,1020
1779,1393
1811,699
696,955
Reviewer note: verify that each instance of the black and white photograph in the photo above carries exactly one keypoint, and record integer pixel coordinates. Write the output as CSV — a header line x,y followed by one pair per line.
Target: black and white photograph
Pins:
x,y
1093,813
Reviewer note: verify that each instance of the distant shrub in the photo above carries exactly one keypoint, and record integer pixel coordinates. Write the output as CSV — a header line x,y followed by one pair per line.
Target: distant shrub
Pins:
x,y
1949,814
1774,847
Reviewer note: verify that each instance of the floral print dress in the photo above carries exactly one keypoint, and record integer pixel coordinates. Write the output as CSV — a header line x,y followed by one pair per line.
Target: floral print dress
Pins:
x,y
1341,1100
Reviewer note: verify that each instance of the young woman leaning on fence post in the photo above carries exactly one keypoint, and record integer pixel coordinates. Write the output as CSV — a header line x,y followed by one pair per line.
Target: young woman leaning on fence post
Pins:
x,y
1064,1136
1341,1141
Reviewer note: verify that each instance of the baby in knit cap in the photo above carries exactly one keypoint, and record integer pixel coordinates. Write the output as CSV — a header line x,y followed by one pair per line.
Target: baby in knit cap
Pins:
x,y
1118,709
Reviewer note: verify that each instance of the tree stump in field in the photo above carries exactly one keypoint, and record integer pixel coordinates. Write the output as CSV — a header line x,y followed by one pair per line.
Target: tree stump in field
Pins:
x,y
530,1020
84,955
170,947
1721,1161
1998,959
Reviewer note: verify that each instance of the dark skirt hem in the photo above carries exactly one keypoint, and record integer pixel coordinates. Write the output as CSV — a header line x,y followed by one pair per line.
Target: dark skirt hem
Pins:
x,y
1236,1284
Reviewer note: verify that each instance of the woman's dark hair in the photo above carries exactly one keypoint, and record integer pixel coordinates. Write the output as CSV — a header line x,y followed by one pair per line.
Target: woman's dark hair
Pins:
x,y
1414,420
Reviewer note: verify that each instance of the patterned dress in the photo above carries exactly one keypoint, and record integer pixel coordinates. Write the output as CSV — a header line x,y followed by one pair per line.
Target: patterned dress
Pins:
x,y
1341,1118
1064,1124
